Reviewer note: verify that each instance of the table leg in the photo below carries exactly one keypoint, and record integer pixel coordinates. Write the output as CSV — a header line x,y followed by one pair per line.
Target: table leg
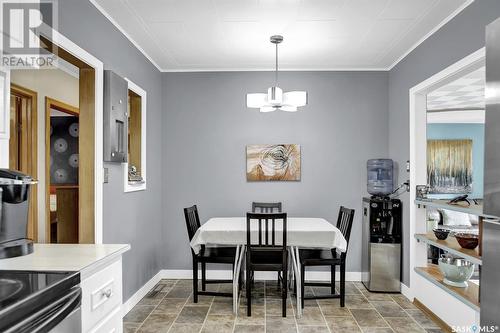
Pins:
x,y
240,250
296,267
235,269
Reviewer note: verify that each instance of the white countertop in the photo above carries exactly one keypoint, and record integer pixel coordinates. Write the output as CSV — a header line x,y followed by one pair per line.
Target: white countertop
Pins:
x,y
64,257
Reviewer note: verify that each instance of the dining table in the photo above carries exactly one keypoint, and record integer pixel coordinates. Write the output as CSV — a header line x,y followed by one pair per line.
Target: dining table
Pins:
x,y
302,232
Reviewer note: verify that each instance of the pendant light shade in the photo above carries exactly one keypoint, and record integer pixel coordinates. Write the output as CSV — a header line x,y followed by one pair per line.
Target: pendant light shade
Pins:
x,y
276,99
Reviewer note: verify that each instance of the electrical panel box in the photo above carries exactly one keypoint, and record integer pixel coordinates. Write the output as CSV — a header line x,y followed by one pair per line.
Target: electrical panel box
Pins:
x,y
115,117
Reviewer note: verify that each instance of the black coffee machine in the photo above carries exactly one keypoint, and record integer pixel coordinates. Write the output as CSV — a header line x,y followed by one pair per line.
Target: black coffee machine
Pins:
x,y
14,199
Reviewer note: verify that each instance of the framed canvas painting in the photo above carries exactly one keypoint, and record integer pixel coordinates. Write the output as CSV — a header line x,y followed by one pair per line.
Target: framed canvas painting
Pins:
x,y
273,162
449,166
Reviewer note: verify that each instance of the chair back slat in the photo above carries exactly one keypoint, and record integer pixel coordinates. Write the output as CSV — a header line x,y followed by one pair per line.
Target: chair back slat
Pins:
x,y
344,222
260,232
273,231
192,220
268,228
266,207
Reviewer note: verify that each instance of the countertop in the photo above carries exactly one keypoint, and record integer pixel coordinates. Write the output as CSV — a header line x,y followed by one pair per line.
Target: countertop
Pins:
x,y
65,257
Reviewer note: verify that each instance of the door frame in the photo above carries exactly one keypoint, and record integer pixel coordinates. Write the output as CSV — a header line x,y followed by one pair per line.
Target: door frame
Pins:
x,y
33,168
71,49
418,157
51,103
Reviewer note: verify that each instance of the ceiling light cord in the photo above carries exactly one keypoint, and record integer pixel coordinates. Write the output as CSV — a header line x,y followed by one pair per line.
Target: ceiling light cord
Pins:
x,y
276,73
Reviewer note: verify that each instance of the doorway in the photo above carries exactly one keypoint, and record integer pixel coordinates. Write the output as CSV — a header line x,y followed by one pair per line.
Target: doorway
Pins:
x,y
62,142
91,77
422,289
23,144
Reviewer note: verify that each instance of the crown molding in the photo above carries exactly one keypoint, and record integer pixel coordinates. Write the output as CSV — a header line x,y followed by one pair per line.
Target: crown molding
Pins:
x,y
430,33
326,69
110,19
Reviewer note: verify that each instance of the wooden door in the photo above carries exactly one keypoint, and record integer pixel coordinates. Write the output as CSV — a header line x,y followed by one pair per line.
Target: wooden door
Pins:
x,y
23,145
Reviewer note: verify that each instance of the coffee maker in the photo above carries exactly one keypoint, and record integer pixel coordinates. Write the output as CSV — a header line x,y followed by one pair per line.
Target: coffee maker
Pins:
x,y
14,205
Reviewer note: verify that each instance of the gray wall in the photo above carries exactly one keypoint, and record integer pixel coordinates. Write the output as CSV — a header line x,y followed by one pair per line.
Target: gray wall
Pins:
x,y
457,39
206,126
133,218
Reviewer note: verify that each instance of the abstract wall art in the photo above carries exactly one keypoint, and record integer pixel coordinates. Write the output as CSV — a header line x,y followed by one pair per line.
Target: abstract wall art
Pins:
x,y
273,162
449,166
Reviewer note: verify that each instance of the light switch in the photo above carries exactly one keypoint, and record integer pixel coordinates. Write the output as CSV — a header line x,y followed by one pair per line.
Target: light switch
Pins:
x,y
106,175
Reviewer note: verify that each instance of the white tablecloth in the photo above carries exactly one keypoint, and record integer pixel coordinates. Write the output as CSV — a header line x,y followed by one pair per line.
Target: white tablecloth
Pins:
x,y
306,232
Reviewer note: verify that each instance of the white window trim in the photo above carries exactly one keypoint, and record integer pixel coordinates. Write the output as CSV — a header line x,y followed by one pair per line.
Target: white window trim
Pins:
x,y
127,186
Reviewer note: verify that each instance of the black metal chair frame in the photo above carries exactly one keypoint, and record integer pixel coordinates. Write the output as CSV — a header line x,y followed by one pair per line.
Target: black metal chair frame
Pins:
x,y
344,224
193,223
266,246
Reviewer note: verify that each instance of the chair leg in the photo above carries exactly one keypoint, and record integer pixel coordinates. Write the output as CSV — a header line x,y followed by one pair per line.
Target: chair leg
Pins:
x,y
279,280
284,291
342,285
203,276
240,280
303,280
332,279
249,293
195,281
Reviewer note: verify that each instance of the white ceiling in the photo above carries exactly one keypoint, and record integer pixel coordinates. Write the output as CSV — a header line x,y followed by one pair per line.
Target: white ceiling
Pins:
x,y
198,35
466,92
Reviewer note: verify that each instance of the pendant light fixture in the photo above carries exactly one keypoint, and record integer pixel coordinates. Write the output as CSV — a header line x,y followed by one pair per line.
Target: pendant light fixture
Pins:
x,y
276,99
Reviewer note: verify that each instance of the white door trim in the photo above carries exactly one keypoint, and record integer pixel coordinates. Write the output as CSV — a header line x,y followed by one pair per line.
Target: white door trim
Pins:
x,y
418,147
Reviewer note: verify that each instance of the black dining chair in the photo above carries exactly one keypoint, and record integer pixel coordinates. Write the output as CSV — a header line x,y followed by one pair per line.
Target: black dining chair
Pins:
x,y
268,207
266,252
207,255
328,257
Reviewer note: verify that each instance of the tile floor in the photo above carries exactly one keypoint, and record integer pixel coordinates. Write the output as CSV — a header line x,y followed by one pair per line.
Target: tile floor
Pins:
x,y
172,310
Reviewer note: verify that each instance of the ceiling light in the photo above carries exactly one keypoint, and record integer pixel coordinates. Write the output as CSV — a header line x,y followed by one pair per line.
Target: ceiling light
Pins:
x,y
276,99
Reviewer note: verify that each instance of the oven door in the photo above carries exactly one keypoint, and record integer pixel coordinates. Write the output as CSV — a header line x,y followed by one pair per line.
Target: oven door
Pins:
x,y
57,316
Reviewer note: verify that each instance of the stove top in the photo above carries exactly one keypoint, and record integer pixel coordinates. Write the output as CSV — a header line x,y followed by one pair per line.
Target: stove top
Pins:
x,y
22,292
17,285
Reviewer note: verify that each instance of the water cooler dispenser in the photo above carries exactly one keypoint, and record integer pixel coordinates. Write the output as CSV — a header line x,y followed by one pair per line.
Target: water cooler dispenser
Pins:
x,y
382,234
381,247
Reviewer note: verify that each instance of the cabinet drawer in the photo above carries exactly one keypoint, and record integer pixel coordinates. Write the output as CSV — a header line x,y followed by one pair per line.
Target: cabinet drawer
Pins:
x,y
111,324
101,294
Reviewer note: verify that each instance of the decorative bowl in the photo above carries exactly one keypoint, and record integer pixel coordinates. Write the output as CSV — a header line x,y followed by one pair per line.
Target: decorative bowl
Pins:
x,y
456,271
467,241
441,234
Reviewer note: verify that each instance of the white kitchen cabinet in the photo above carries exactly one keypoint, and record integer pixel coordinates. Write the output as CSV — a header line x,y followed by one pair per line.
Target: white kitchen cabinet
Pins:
x,y
102,298
100,267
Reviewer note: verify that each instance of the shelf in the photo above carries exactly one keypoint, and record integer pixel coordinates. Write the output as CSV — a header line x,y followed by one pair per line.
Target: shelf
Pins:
x,y
451,245
469,295
473,209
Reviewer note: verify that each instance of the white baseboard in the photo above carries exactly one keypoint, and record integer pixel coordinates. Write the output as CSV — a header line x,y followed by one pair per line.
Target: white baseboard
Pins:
x,y
221,274
406,291
139,294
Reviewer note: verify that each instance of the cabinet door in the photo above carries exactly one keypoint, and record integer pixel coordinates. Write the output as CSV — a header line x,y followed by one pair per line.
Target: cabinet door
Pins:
x,y
4,116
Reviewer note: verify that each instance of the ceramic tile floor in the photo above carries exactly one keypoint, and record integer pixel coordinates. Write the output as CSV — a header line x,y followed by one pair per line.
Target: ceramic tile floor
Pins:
x,y
172,310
